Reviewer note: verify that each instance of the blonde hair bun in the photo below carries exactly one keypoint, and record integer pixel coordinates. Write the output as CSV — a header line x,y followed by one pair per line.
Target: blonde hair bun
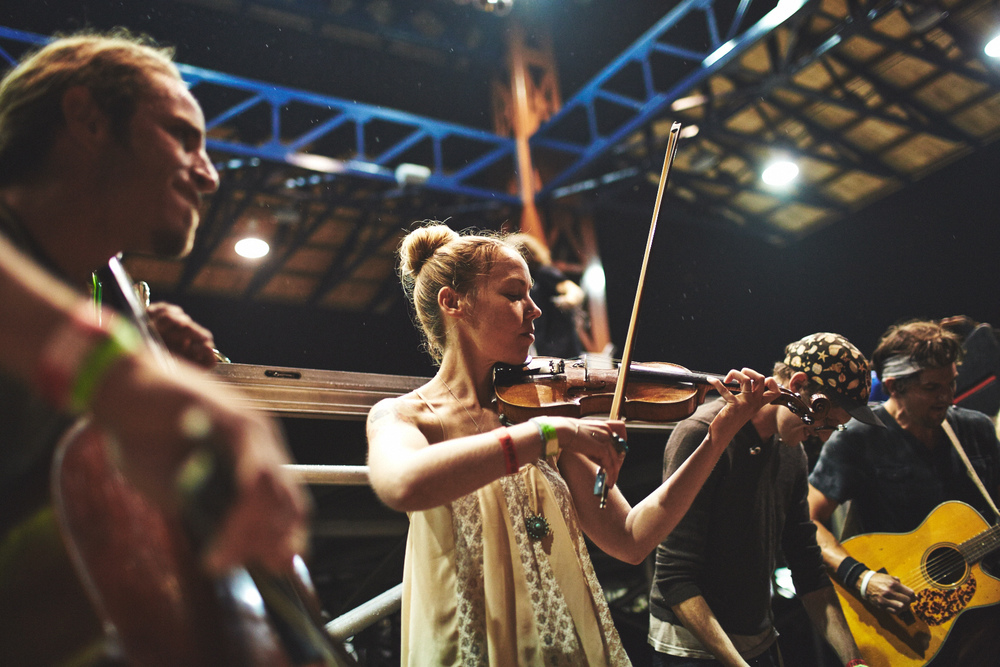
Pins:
x,y
420,245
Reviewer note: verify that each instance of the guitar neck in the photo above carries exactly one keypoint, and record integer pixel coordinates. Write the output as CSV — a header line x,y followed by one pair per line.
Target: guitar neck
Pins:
x,y
980,546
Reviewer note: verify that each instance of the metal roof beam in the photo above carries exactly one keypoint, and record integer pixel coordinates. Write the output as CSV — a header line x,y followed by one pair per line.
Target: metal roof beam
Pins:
x,y
674,26
480,148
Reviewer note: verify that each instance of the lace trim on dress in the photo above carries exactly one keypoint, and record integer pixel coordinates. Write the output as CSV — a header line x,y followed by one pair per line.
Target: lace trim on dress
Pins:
x,y
553,621
558,640
468,528
616,652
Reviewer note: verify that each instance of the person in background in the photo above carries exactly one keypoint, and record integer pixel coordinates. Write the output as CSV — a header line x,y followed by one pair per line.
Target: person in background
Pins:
x,y
710,602
896,476
560,299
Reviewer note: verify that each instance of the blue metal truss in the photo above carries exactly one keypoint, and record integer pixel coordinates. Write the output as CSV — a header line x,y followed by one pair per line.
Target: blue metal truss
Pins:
x,y
370,141
669,60
606,109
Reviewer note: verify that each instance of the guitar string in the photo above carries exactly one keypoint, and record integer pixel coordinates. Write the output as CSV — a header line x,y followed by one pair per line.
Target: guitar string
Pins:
x,y
936,567
976,547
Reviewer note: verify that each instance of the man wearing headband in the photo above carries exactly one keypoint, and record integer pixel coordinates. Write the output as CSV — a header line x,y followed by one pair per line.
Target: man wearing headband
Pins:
x,y
711,597
896,476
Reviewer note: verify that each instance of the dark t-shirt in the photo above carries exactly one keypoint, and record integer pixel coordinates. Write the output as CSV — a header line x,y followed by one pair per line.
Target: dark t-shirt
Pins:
x,y
47,617
725,548
30,427
894,481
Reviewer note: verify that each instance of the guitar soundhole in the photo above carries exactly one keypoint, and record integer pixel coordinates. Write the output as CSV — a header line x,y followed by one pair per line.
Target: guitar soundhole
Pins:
x,y
945,566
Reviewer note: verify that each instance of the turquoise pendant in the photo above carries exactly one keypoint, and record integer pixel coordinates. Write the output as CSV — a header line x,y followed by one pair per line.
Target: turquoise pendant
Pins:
x,y
537,527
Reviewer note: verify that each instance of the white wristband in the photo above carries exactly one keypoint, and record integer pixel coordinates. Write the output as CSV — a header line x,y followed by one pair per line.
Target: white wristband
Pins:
x,y
864,583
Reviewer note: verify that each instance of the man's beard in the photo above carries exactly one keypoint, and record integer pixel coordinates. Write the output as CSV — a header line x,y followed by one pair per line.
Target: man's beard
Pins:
x,y
173,243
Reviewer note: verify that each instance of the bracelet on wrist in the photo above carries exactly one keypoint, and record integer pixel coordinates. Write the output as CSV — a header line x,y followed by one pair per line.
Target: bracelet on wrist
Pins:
x,y
849,571
549,436
864,584
122,339
77,355
507,445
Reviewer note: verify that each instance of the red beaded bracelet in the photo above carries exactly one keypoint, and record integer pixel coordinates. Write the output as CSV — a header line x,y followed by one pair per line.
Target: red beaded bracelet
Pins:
x,y
507,445
857,662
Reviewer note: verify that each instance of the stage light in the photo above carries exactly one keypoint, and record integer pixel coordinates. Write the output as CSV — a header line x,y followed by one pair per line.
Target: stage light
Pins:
x,y
499,7
992,48
780,172
593,278
252,247
411,174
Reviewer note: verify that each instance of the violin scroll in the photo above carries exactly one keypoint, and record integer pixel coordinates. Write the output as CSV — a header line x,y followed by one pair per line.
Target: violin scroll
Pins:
x,y
809,410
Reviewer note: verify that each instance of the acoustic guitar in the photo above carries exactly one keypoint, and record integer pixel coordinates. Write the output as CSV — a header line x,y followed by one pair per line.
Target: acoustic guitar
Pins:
x,y
940,561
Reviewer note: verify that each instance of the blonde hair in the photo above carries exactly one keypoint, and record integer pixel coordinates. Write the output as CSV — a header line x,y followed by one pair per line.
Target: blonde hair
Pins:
x,y
116,68
436,256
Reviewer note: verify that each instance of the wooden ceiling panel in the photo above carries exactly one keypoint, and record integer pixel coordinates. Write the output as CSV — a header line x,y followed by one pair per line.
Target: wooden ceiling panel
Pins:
x,y
873,134
797,219
981,120
755,202
222,279
309,259
861,49
855,187
374,268
903,71
352,295
922,151
289,287
949,91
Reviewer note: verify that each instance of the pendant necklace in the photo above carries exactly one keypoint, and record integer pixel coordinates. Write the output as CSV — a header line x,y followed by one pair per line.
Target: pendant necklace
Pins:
x,y
535,524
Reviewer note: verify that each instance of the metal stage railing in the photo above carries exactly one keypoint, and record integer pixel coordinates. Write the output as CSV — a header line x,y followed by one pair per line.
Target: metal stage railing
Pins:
x,y
387,603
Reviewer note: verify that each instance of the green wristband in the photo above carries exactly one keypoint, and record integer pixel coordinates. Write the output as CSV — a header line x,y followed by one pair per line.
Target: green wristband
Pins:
x,y
550,438
122,339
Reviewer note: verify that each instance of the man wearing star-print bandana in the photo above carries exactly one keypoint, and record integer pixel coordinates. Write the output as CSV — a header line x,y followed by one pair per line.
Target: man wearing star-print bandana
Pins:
x,y
711,598
895,477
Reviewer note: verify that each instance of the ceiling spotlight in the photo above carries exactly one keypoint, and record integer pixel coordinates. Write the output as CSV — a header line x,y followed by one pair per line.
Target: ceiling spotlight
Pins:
x,y
411,174
252,247
992,48
499,7
781,172
688,131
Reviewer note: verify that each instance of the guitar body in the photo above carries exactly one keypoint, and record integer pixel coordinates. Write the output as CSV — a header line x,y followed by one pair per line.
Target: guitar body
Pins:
x,y
142,574
928,561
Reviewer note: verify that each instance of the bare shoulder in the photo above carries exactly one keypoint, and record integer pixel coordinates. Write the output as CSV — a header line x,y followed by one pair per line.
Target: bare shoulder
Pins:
x,y
407,409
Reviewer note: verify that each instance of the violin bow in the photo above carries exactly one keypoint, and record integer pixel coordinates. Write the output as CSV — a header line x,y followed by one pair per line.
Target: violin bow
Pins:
x,y
600,486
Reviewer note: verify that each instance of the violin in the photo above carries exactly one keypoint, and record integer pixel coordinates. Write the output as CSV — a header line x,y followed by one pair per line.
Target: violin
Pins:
x,y
656,391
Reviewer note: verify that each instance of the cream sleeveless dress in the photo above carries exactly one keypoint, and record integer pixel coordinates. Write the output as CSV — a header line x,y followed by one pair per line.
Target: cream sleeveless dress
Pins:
x,y
478,591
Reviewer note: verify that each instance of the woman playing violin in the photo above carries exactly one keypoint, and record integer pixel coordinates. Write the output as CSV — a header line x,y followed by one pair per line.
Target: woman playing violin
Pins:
x,y
496,568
